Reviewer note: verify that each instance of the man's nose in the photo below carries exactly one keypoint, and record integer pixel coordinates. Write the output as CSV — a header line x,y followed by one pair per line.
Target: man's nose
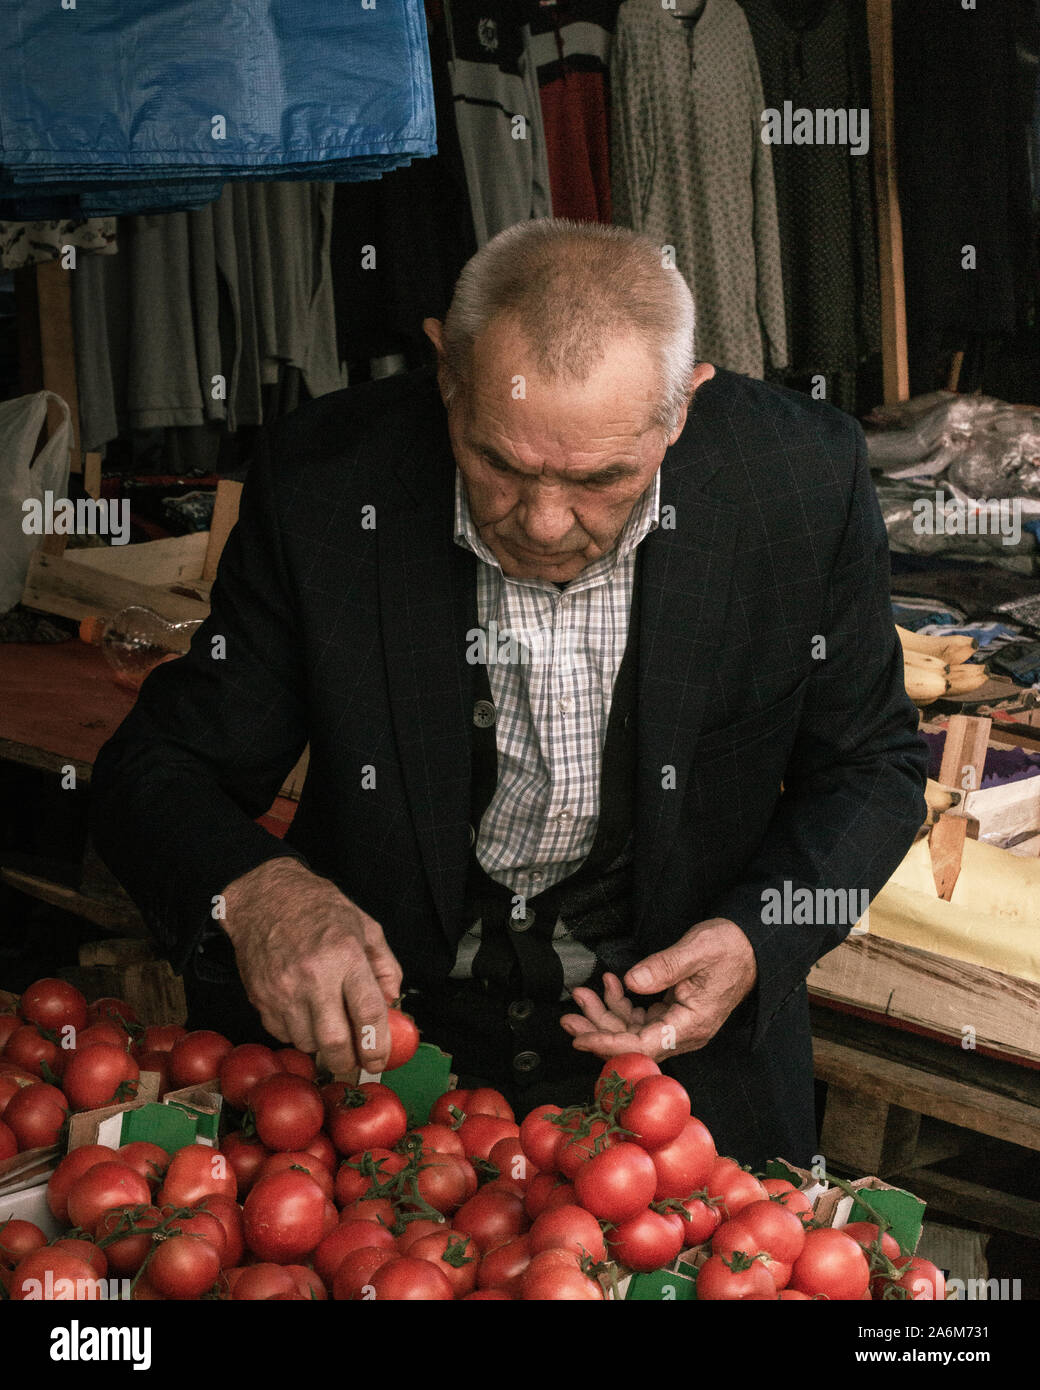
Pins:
x,y
546,518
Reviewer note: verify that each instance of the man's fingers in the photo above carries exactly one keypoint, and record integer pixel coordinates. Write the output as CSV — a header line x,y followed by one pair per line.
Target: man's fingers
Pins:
x,y
382,961
609,1044
664,968
589,1002
332,1032
366,1008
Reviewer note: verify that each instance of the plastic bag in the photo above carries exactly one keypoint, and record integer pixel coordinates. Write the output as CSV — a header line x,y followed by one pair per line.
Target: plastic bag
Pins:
x,y
22,477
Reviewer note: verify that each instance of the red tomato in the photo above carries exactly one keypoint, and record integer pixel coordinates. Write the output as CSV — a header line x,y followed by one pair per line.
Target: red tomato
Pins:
x,y
556,1275
349,1236
406,1278
17,1238
545,1191
479,1133
103,1186
283,1160
184,1266
617,1184
35,1115
797,1202
683,1166
415,1230
284,1217
160,1037
737,1187
197,1057
700,1221
8,1143
353,1277
368,1116
442,1183
74,1165
84,1250
158,1062
921,1279
491,1218
100,1075
246,1157
404,1039
778,1230
657,1113
832,1264
358,1173
9,1023
504,1267
52,1004
650,1240
865,1233
724,1278
28,1048
508,1156
309,1286
629,1067
439,1139
486,1101
287,1111
242,1068
195,1172
456,1256
13,1082
70,1276
292,1059
103,1032
112,1010
322,1148
539,1136
229,1214
149,1159
133,1229
262,1281
377,1209
440,1112
576,1147
568,1228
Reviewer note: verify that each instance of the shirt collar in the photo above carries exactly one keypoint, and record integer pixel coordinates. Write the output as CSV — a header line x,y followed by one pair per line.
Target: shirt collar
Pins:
x,y
644,517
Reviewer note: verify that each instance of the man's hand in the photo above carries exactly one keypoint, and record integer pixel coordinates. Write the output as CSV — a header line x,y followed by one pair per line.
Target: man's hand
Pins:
x,y
705,974
316,967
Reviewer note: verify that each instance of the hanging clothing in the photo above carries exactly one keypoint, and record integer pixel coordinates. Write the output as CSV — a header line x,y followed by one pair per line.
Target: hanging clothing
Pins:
x,y
813,53
962,144
226,293
399,242
570,46
691,171
35,243
498,114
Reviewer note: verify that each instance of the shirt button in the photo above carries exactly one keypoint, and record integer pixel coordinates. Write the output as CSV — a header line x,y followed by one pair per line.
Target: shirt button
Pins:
x,y
537,876
566,705
526,1061
483,714
564,815
521,924
520,1009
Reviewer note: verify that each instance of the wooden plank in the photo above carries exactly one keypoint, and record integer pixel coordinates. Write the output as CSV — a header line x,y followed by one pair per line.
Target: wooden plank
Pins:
x,y
92,475
58,705
969,1107
972,1201
946,842
964,752
895,369
225,514
934,992
113,915
79,591
173,560
117,951
868,1135
57,347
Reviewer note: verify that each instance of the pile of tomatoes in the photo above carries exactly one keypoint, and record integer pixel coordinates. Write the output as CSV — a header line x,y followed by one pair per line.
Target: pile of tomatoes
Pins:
x,y
321,1190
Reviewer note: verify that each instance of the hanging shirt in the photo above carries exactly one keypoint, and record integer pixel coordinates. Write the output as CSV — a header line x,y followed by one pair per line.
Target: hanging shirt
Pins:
x,y
690,169
498,115
32,243
570,45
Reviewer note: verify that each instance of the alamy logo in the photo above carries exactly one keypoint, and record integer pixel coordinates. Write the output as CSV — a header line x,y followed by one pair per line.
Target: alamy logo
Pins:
x,y
504,646
823,126
831,907
87,516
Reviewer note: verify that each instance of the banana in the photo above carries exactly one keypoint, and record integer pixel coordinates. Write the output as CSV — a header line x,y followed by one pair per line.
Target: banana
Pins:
x,y
963,679
927,663
923,685
936,646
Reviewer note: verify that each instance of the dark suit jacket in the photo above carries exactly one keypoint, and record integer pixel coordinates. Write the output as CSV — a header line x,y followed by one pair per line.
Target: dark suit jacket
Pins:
x,y
352,636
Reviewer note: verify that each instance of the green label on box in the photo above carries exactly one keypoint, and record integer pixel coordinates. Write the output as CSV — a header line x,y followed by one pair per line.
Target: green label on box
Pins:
x,y
419,1082
901,1209
164,1125
206,1125
662,1286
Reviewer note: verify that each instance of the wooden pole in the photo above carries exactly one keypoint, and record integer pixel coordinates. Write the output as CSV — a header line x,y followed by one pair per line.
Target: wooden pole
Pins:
x,y
895,368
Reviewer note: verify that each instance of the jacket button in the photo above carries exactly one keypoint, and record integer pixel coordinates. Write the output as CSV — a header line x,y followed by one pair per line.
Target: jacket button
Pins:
x,y
520,1009
524,923
526,1061
483,714
472,835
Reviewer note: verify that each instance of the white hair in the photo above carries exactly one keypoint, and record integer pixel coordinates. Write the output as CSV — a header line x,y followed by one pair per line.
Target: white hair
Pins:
x,y
573,288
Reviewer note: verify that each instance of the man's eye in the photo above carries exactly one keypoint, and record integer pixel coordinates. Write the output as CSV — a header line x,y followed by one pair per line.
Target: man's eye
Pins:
x,y
497,464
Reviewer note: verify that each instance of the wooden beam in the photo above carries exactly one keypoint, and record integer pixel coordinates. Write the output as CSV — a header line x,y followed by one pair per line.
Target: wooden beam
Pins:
x,y
972,1201
969,1107
225,514
58,350
895,368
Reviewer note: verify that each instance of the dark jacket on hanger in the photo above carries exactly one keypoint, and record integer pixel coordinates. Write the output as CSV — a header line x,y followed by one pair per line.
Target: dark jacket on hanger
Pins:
x,y
355,639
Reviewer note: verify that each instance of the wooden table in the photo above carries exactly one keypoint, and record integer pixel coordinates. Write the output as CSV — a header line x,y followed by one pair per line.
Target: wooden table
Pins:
x,y
58,704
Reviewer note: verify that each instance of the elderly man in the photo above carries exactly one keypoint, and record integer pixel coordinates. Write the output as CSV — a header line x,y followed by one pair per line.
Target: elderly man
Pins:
x,y
593,651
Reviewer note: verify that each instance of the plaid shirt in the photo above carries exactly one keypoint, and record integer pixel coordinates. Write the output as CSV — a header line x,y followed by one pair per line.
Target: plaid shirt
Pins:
x,y
553,656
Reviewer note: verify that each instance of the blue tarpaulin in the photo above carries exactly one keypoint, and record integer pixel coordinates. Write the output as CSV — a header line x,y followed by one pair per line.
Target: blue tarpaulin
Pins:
x,y
117,107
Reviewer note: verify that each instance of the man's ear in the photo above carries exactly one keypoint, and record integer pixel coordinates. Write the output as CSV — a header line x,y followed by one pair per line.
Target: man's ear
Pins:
x,y
434,330
703,372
